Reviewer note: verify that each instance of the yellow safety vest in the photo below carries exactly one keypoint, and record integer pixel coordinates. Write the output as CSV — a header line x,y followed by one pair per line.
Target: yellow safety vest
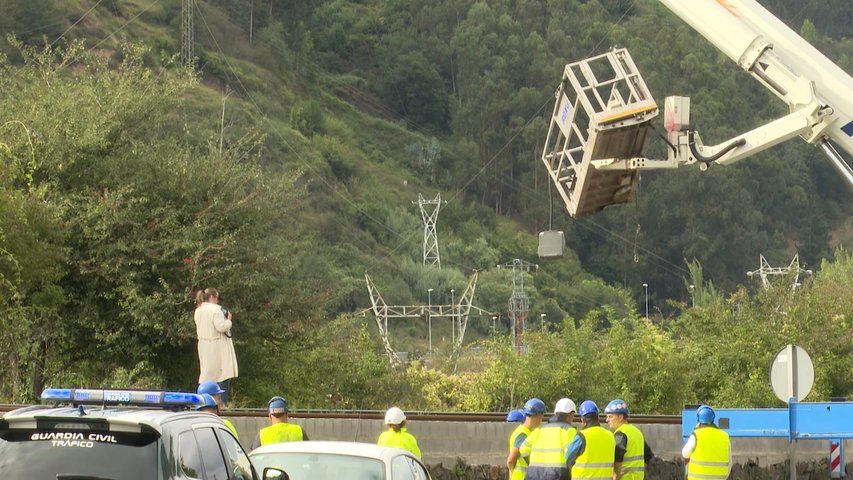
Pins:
x,y
633,464
710,459
281,432
547,446
401,439
231,427
596,461
520,469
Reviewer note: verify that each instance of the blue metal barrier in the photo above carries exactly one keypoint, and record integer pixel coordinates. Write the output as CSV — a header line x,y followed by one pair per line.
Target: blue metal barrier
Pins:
x,y
831,421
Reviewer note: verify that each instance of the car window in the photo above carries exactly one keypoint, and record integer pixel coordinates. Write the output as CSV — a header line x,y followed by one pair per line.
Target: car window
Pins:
x,y
321,466
188,456
420,472
241,467
401,468
211,455
77,452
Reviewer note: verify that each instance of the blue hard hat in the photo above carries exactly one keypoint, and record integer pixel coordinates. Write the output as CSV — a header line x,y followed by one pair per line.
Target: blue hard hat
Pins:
x,y
588,407
617,406
209,402
534,406
210,387
515,416
278,406
705,415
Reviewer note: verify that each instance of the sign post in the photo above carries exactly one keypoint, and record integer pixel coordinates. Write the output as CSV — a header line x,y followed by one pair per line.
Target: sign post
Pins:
x,y
792,378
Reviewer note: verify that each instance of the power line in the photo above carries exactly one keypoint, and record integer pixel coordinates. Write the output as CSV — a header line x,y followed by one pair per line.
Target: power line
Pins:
x,y
132,19
371,102
602,230
75,23
407,238
280,136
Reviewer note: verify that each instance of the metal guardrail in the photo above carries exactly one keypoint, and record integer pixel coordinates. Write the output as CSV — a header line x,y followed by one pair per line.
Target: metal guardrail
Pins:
x,y
414,416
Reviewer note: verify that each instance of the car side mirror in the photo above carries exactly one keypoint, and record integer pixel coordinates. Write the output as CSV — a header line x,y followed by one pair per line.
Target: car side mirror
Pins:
x,y
272,473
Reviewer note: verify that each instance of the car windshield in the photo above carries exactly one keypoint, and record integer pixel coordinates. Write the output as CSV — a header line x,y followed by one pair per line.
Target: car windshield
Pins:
x,y
27,454
321,466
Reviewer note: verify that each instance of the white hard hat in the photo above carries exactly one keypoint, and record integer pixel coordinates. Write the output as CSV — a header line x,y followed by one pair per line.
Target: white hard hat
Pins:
x,y
394,416
565,405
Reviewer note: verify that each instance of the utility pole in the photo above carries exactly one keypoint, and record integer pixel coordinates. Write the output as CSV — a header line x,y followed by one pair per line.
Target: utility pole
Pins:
x,y
453,313
430,217
429,318
187,34
222,120
519,303
251,21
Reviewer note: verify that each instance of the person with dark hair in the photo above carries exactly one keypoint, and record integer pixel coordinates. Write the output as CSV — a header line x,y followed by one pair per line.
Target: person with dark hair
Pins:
x,y
216,357
279,430
632,451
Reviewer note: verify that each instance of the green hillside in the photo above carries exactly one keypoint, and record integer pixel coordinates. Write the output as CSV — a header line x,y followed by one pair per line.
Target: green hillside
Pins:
x,y
284,166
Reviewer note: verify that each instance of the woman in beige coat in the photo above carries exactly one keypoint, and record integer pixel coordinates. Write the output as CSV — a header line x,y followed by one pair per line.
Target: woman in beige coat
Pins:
x,y
216,357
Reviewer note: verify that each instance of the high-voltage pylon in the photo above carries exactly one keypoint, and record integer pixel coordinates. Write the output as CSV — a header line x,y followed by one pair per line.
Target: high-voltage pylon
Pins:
x,y
457,312
519,303
430,217
186,33
765,270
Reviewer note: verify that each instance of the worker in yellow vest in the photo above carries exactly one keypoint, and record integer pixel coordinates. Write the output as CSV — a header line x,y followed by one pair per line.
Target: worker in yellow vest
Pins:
x,y
210,406
592,452
546,447
533,410
632,451
279,429
397,435
708,451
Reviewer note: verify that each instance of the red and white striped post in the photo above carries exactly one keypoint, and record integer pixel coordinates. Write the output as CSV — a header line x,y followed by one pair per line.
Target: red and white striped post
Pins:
x,y
836,458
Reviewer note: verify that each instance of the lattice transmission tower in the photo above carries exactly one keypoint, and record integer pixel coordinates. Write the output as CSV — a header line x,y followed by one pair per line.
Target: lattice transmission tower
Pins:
x,y
186,33
458,312
429,214
519,303
765,271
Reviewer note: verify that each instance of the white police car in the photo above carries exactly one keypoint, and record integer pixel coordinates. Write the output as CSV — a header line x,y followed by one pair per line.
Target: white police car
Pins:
x,y
91,434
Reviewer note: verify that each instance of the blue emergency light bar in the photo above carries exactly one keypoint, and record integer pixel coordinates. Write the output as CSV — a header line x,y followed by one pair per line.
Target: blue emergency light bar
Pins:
x,y
99,396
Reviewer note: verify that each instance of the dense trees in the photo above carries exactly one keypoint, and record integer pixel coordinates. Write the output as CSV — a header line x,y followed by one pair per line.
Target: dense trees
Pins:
x,y
125,185
111,222
717,352
499,62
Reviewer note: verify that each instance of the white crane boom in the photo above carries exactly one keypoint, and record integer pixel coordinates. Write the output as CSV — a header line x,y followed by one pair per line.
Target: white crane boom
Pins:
x,y
778,57
602,115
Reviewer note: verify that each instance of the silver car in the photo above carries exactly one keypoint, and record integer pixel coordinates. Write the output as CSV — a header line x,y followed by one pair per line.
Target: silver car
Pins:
x,y
336,460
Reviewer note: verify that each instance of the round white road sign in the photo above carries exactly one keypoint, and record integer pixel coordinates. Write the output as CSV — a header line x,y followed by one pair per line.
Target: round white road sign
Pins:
x,y
792,373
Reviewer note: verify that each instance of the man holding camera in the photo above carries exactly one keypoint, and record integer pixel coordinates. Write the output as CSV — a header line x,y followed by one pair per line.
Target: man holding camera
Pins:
x,y
216,357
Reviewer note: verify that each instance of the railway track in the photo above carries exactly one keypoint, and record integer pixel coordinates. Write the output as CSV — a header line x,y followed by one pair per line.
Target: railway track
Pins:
x,y
414,416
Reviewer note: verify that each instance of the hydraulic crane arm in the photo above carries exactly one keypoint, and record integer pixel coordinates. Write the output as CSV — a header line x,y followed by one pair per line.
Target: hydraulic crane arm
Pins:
x,y
815,89
601,119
